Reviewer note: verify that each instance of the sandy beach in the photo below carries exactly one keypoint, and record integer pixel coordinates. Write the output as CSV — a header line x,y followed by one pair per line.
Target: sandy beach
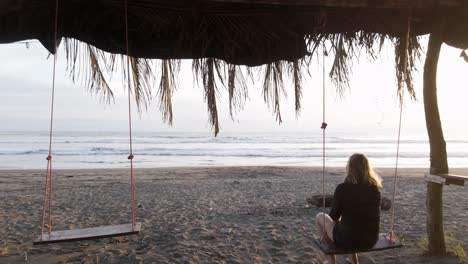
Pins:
x,y
207,215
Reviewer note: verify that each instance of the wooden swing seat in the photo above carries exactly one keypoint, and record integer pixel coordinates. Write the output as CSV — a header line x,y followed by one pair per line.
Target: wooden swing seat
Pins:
x,y
382,244
87,233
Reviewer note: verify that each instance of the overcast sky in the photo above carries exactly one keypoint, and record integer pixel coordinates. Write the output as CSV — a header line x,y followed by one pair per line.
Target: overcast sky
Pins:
x,y
371,106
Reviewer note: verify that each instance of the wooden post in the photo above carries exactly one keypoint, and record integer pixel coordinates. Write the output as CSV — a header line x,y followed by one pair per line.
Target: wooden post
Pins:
x,y
438,154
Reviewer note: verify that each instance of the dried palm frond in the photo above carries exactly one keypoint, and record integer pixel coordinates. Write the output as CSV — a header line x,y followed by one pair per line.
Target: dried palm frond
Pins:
x,y
206,69
95,67
342,46
209,84
237,89
273,87
143,79
167,86
406,56
295,71
347,48
89,61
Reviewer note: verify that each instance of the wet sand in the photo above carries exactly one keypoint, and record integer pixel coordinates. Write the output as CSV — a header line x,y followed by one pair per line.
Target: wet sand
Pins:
x,y
207,215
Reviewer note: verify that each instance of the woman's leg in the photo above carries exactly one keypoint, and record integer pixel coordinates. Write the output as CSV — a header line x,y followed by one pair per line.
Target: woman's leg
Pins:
x,y
325,225
353,258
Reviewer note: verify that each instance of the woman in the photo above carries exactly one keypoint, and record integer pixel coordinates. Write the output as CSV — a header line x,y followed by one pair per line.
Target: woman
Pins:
x,y
354,218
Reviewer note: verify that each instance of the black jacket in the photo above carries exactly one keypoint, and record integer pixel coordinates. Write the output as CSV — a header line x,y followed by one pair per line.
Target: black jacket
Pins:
x,y
358,205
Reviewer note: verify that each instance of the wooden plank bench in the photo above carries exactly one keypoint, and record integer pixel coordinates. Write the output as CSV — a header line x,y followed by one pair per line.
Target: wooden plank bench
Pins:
x,y
446,179
87,233
382,244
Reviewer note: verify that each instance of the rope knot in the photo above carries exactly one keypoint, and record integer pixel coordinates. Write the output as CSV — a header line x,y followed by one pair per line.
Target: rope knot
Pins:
x,y
49,157
130,157
391,236
324,125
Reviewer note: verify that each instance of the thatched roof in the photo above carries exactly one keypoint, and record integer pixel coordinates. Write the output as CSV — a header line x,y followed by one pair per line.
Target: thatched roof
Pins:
x,y
247,32
222,34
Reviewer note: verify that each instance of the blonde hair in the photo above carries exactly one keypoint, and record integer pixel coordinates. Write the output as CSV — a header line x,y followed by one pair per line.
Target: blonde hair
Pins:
x,y
360,171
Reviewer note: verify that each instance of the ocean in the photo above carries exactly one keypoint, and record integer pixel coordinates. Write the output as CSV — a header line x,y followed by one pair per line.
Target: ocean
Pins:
x,y
76,150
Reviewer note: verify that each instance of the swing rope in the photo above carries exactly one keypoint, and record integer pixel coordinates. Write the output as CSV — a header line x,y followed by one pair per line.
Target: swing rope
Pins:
x,y
48,182
323,127
47,201
130,157
391,235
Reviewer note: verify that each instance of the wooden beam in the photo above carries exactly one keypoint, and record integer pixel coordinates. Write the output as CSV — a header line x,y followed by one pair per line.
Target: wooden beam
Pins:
x,y
447,179
434,178
353,3
88,233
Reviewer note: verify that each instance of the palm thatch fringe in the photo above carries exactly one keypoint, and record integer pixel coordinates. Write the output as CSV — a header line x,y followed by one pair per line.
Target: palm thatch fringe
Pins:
x,y
346,48
95,67
85,59
98,66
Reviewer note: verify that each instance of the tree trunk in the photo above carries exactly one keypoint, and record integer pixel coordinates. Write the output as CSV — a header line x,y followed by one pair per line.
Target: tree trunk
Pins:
x,y
438,154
